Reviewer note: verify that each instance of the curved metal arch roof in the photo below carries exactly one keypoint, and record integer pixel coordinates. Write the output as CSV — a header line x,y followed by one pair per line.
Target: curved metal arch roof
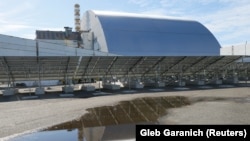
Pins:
x,y
131,35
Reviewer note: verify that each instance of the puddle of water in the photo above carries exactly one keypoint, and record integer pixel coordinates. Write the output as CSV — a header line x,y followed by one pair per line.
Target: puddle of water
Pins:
x,y
205,87
101,93
181,88
157,90
110,122
226,86
129,91
57,135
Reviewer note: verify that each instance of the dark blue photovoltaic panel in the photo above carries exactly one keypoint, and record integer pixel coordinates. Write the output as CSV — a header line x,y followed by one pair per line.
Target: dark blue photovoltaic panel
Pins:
x,y
138,36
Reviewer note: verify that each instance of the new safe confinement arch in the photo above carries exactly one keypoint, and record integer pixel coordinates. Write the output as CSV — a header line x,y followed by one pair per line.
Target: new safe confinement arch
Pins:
x,y
140,35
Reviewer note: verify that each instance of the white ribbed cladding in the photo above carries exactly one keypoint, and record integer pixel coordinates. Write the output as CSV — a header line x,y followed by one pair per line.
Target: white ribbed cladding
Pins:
x,y
92,32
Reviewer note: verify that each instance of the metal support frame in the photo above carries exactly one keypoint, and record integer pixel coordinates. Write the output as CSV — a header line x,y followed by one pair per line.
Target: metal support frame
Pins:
x,y
77,67
177,62
129,87
66,72
39,64
116,65
87,66
99,80
130,69
225,65
39,74
195,63
157,76
95,64
157,63
9,72
140,60
231,61
181,75
211,63
111,65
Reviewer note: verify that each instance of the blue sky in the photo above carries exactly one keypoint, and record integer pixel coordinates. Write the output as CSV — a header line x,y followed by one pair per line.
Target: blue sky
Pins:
x,y
228,20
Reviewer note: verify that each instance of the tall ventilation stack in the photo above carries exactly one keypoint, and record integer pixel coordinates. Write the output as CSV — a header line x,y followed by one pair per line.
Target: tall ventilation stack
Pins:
x,y
77,18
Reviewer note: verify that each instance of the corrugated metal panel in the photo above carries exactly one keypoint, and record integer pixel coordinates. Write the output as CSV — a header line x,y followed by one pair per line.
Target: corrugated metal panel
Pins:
x,y
241,49
14,46
57,35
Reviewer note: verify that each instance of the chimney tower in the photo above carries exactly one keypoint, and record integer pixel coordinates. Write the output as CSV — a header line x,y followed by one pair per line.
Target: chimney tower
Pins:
x,y
77,18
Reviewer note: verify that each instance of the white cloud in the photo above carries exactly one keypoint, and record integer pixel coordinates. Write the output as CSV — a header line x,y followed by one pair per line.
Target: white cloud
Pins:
x,y
21,18
230,24
13,27
226,19
50,28
141,3
29,36
13,18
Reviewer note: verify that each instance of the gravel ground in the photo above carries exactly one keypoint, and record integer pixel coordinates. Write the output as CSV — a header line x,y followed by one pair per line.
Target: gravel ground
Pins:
x,y
212,106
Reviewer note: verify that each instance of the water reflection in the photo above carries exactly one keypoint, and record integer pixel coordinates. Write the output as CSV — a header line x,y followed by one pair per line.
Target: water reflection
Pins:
x,y
118,122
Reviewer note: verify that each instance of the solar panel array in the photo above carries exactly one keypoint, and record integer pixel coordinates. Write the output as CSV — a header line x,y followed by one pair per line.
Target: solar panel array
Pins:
x,y
75,67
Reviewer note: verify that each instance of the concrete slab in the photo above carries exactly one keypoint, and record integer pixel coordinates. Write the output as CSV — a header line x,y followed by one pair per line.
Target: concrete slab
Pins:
x,y
226,86
88,88
157,90
101,93
135,85
29,97
205,87
111,86
9,92
66,95
68,89
181,88
129,91
39,91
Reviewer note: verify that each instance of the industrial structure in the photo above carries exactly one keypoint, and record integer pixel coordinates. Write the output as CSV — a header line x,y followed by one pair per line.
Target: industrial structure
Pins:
x,y
120,50
77,18
239,49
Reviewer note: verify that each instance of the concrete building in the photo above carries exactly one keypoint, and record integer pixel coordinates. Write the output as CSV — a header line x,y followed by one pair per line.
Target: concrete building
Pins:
x,y
239,49
64,38
15,46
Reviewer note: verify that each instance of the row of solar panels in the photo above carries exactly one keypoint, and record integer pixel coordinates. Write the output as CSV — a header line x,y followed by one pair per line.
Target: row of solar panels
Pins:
x,y
75,67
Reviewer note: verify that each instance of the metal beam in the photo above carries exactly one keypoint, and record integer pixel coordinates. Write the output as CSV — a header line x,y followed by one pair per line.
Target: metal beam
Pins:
x,y
95,64
77,67
111,65
140,60
215,61
179,61
157,63
196,62
87,66
237,58
62,67
39,71
66,71
228,63
9,72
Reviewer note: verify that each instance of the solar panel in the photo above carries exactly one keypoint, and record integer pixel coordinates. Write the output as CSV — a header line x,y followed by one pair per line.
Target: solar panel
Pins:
x,y
75,67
